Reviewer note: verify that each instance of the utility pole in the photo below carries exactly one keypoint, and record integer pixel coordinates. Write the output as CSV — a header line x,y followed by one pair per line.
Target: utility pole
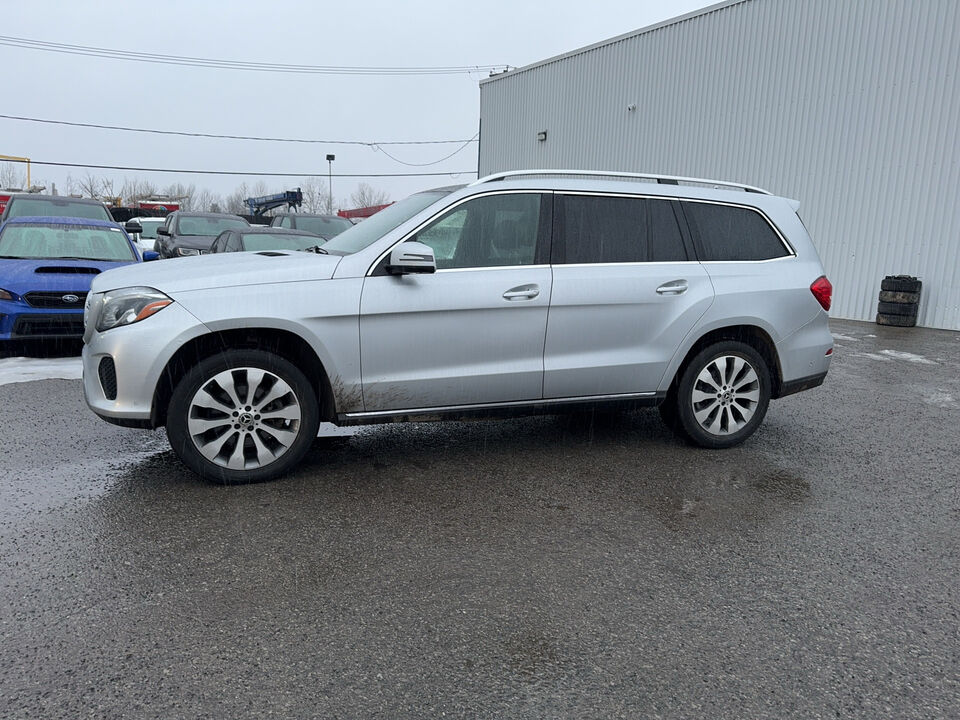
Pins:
x,y
330,159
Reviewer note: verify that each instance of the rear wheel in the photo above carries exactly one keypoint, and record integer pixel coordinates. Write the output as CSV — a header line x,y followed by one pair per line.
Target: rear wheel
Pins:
x,y
243,416
722,395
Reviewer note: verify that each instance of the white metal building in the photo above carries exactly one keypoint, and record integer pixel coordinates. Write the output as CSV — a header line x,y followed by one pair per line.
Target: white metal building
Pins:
x,y
850,106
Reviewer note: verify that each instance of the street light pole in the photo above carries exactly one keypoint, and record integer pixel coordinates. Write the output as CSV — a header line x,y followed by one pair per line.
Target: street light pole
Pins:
x,y
330,159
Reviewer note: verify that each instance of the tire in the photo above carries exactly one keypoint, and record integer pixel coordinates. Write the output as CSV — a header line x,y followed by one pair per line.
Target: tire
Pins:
x,y
901,283
741,400
214,426
741,380
899,297
896,320
889,308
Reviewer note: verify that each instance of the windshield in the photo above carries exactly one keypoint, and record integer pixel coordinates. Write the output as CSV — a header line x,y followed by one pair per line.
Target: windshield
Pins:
x,y
376,226
326,227
209,225
77,242
280,241
150,228
56,207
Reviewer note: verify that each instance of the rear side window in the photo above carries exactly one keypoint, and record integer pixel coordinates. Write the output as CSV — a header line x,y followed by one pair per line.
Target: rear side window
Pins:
x,y
724,232
597,229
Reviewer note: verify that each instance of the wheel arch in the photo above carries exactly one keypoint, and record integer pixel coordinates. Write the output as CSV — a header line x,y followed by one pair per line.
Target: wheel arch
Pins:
x,y
283,343
752,335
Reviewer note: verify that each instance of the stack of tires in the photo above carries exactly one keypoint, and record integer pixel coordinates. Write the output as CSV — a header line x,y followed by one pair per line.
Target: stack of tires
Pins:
x,y
899,299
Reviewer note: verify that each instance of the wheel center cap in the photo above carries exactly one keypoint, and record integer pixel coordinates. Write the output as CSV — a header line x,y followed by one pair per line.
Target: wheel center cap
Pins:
x,y
246,419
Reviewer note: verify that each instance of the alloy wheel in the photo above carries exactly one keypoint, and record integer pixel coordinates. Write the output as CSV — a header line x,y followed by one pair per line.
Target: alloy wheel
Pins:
x,y
244,418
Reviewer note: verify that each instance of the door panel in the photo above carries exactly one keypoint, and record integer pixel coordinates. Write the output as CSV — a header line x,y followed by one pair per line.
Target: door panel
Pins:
x,y
611,331
453,338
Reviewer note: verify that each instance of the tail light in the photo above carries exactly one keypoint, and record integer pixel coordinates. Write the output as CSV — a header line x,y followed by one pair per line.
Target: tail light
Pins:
x,y
823,291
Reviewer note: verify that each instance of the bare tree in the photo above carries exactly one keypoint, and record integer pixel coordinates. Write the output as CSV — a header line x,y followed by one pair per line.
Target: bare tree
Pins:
x,y
312,190
366,196
206,201
11,176
90,186
134,189
183,193
235,202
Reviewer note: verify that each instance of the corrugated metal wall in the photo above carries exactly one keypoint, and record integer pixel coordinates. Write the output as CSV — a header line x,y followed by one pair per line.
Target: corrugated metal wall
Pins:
x,y
850,106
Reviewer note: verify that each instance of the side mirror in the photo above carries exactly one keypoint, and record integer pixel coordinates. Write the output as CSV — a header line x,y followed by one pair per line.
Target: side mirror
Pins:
x,y
163,231
411,257
133,227
149,255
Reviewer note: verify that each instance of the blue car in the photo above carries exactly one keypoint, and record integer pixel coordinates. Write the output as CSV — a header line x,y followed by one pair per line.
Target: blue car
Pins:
x,y
46,267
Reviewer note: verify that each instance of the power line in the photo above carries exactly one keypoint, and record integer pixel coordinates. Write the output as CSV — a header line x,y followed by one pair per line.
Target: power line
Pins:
x,y
29,44
433,162
182,133
252,174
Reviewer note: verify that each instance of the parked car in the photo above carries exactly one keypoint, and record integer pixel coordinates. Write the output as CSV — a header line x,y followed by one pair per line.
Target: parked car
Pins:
x,y
46,267
519,293
263,238
191,233
147,237
35,205
326,226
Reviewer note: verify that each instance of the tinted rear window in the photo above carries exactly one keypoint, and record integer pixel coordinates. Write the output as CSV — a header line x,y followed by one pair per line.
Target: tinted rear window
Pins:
x,y
724,232
38,207
595,229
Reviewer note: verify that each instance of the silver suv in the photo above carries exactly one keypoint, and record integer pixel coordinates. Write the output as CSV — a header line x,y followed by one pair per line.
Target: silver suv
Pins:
x,y
523,292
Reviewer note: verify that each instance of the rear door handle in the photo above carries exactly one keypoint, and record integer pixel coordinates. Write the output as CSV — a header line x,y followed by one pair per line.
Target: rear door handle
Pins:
x,y
522,292
674,287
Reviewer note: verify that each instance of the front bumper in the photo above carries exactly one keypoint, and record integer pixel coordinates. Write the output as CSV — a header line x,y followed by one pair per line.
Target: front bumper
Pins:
x,y
19,321
140,352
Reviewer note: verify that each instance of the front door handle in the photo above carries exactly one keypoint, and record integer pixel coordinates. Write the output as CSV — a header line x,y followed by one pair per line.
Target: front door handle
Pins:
x,y
674,287
522,292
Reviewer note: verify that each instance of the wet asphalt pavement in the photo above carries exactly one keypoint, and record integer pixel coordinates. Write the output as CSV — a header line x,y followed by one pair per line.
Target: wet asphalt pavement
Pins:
x,y
582,566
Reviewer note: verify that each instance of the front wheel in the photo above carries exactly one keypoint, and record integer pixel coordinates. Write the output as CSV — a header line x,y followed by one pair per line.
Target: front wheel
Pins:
x,y
243,416
722,395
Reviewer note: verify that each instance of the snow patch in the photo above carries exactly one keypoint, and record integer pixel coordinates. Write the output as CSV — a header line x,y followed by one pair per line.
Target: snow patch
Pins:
x,y
940,399
22,369
874,356
909,357
840,336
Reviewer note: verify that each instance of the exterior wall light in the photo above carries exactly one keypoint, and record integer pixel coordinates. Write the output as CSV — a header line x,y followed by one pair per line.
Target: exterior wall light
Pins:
x,y
542,135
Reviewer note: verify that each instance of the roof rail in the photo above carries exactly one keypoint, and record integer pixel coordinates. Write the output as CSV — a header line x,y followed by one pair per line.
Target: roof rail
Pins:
x,y
661,179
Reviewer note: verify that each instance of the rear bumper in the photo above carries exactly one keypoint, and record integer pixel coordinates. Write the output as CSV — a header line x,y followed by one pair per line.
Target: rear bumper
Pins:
x,y
801,384
805,356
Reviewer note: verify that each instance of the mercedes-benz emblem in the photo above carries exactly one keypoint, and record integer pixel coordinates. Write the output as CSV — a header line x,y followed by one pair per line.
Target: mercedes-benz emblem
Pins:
x,y
70,298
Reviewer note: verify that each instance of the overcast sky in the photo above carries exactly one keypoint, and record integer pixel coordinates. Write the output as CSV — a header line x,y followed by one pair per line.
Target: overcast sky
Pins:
x,y
361,108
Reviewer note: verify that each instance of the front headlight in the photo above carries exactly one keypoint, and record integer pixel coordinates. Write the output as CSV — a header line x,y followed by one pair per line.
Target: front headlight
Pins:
x,y
184,252
129,305
5,294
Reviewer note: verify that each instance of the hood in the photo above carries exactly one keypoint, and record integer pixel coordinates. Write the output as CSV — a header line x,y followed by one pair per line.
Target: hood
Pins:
x,y
220,270
50,274
195,242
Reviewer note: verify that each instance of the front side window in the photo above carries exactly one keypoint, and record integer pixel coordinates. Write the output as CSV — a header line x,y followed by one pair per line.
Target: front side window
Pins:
x,y
600,229
491,231
726,232
75,242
